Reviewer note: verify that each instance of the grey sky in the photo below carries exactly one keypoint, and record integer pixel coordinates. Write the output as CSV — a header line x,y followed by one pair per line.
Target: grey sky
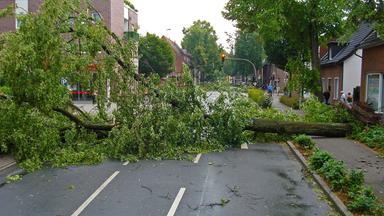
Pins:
x,y
156,16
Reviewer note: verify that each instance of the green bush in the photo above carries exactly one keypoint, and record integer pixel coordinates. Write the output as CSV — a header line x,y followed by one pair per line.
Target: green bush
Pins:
x,y
290,101
315,111
355,180
373,137
363,200
256,95
335,172
304,141
318,159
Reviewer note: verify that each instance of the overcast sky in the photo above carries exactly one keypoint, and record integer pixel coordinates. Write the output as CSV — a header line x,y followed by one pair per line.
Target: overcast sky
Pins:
x,y
156,16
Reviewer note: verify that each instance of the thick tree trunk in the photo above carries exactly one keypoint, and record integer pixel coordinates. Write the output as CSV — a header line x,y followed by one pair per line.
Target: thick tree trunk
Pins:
x,y
291,128
315,58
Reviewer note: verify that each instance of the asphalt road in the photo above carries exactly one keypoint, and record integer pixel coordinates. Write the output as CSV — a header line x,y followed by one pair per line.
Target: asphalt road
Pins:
x,y
264,180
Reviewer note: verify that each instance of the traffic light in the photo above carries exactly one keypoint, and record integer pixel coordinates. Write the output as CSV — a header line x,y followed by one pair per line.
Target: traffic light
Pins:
x,y
222,57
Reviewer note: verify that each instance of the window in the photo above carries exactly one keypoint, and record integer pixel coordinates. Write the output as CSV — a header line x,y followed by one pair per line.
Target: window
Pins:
x,y
21,8
375,91
329,85
323,85
336,88
96,16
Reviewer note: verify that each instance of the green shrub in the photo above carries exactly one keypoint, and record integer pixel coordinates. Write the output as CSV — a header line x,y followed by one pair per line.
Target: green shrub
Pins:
x,y
318,159
304,141
355,180
256,95
373,137
363,201
290,101
315,111
335,172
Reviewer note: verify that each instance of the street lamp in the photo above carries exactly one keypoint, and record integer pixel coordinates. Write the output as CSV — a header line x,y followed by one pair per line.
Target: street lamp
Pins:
x,y
246,60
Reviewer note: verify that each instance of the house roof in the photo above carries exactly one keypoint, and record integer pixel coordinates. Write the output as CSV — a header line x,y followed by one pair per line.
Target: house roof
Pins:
x,y
349,48
371,41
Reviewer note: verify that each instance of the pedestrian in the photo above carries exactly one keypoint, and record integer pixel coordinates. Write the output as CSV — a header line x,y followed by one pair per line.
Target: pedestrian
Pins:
x,y
343,98
277,90
326,95
270,89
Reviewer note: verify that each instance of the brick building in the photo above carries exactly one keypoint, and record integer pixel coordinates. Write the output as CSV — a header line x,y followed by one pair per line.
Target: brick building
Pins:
x,y
182,57
275,76
117,16
340,67
372,75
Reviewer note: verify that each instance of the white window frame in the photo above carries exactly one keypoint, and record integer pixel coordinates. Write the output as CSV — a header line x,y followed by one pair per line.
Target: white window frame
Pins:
x,y
380,102
323,85
21,9
329,85
336,91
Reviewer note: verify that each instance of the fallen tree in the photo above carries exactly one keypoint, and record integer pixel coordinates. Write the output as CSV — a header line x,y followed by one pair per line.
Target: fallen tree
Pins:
x,y
291,128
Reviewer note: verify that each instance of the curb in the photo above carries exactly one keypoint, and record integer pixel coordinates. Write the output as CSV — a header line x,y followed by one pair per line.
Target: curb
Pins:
x,y
343,210
17,171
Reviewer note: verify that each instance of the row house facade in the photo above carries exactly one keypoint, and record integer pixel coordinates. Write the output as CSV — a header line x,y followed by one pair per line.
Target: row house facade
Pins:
x,y
182,58
372,73
356,67
340,67
117,16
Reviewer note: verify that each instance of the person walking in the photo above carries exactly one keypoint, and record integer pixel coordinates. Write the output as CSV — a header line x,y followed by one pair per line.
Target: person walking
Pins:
x,y
326,95
270,89
343,98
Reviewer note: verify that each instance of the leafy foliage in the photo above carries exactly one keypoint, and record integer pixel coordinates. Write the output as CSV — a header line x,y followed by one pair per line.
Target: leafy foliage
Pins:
x,y
292,102
302,78
200,40
156,56
248,46
360,198
372,136
304,141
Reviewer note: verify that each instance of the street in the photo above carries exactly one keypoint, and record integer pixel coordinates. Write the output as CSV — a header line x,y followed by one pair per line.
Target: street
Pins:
x,y
265,179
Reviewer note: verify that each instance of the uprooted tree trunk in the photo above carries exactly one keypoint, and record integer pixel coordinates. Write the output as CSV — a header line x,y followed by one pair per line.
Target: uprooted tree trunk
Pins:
x,y
258,125
291,128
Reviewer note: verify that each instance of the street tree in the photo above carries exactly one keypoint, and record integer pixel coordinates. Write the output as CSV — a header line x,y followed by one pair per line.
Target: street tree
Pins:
x,y
248,46
302,23
200,40
156,56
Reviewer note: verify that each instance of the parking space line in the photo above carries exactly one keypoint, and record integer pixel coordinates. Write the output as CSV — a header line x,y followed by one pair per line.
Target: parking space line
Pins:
x,y
176,203
197,158
126,163
244,146
94,195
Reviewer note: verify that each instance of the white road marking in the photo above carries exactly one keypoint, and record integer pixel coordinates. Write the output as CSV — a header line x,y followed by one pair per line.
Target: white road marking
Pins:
x,y
176,203
197,158
126,163
94,195
244,146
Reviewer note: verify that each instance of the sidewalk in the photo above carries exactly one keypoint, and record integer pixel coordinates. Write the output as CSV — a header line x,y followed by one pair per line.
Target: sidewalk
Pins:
x,y
8,166
357,156
283,108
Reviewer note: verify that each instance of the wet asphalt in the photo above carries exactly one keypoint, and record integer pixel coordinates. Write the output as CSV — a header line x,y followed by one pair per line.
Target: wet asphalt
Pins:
x,y
265,179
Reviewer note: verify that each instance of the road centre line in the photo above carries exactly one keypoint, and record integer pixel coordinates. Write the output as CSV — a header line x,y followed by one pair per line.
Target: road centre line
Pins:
x,y
244,146
94,195
126,163
197,158
176,203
